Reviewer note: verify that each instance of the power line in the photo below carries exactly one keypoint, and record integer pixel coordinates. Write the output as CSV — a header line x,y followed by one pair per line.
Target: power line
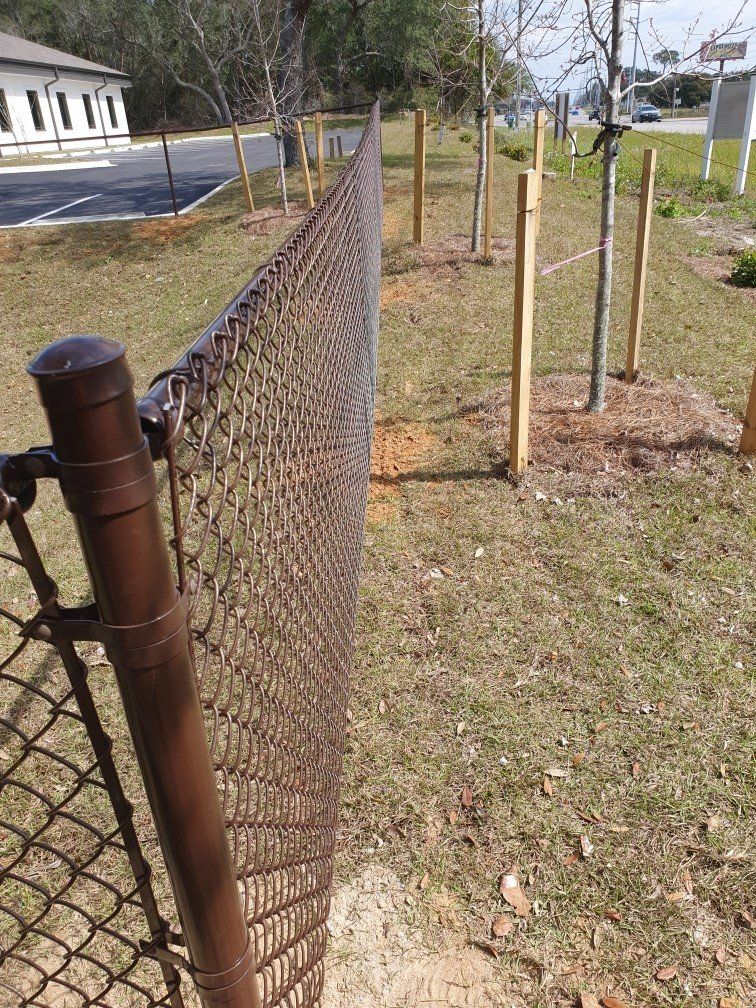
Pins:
x,y
687,150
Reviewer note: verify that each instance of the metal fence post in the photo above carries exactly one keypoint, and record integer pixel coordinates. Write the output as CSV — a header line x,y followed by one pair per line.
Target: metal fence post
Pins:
x,y
108,481
170,175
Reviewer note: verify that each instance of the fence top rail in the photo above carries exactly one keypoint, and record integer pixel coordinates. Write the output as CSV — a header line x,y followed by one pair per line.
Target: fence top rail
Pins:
x,y
175,130
204,361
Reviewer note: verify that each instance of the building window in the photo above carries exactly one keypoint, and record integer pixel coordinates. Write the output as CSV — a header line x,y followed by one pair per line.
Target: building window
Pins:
x,y
112,111
36,110
5,120
89,111
65,115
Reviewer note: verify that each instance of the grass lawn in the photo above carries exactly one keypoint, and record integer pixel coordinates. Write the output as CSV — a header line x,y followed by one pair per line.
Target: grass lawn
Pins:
x,y
556,690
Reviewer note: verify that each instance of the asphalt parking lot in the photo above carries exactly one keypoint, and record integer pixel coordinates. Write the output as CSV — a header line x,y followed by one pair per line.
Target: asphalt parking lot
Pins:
x,y
104,185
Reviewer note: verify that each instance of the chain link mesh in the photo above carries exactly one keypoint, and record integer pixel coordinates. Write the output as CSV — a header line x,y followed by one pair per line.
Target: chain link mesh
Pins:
x,y
75,895
273,416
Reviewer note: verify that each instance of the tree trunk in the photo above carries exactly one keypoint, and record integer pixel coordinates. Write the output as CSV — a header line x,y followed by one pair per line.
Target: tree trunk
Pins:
x,y
480,180
290,77
597,397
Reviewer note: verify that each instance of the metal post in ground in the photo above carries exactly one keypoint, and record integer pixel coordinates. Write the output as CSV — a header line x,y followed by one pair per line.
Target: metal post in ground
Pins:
x,y
108,481
170,175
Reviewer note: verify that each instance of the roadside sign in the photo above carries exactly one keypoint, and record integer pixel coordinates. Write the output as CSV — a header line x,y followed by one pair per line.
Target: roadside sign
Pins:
x,y
718,51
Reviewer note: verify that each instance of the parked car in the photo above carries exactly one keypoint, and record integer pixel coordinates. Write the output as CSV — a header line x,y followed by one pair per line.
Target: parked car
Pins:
x,y
646,113
594,113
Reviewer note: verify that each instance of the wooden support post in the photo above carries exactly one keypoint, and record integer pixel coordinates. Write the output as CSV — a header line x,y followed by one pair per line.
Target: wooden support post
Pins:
x,y
331,148
242,168
319,152
339,146
488,222
305,165
641,259
419,176
748,437
527,207
539,136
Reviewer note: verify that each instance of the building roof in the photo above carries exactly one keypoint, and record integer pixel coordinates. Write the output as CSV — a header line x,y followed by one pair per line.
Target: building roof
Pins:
x,y
21,52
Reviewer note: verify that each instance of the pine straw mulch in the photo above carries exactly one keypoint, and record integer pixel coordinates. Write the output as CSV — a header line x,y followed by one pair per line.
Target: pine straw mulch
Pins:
x,y
647,428
448,250
263,222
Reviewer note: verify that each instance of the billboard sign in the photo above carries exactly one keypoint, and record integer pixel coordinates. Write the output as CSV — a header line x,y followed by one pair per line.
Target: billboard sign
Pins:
x,y
717,51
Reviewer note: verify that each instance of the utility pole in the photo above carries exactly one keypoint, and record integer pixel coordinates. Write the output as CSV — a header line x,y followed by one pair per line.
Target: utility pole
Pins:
x,y
631,92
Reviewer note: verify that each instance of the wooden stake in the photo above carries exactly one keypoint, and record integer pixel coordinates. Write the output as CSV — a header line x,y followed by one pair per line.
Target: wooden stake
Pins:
x,y
748,437
331,148
488,223
319,152
419,176
538,141
305,165
338,145
527,207
242,168
641,259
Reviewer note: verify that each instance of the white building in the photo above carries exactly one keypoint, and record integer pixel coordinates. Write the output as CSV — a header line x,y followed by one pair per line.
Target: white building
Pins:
x,y
61,100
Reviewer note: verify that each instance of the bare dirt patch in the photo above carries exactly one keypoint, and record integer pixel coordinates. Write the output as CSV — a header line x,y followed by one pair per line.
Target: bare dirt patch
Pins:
x,y
380,958
718,267
263,222
452,249
646,428
164,228
398,447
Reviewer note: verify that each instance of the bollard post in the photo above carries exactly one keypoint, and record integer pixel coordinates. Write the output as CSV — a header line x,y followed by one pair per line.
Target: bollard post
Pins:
x,y
242,168
419,221
108,482
748,437
339,146
305,165
641,261
539,136
331,148
170,175
319,151
527,207
488,221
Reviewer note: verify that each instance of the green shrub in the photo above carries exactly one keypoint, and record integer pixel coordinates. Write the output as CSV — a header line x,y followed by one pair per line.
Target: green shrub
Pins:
x,y
711,190
515,151
671,207
744,269
465,137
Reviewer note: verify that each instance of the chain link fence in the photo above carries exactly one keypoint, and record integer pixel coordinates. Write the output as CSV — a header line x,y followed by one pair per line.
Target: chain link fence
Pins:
x,y
266,426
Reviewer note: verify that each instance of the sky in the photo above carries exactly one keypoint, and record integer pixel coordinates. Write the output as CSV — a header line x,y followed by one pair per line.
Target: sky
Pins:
x,y
678,24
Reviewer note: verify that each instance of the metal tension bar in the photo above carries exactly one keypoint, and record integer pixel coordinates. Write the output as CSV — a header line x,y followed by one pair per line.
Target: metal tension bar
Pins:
x,y
109,485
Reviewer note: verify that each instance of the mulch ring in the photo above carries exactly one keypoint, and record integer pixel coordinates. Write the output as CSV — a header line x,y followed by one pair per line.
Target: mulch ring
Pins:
x,y
647,428
263,222
452,249
719,267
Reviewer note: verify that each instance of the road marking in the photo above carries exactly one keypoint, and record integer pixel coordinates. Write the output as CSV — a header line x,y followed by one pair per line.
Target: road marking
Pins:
x,y
66,206
55,167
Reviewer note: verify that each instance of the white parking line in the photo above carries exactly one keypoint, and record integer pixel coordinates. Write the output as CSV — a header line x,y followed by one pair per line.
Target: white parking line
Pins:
x,y
33,220
55,168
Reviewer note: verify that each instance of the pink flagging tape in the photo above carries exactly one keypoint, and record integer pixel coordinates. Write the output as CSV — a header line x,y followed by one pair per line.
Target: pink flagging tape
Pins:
x,y
606,243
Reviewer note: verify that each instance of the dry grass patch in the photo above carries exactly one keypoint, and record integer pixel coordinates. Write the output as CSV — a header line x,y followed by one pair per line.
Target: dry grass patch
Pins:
x,y
164,228
263,222
647,427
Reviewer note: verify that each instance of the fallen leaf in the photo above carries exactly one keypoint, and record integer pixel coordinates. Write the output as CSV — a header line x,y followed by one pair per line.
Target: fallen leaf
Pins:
x,y
460,727
557,773
501,927
713,823
597,937
453,816
612,1002
576,761
636,771
425,881
382,707
613,915
589,1001
513,894
666,973
571,859
675,897
687,880
466,797
569,970
479,552
548,787
746,920
586,847
729,1002
721,956
601,726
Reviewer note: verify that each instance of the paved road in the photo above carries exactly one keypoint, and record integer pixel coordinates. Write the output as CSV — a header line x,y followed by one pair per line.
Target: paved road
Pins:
x,y
134,184
679,125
